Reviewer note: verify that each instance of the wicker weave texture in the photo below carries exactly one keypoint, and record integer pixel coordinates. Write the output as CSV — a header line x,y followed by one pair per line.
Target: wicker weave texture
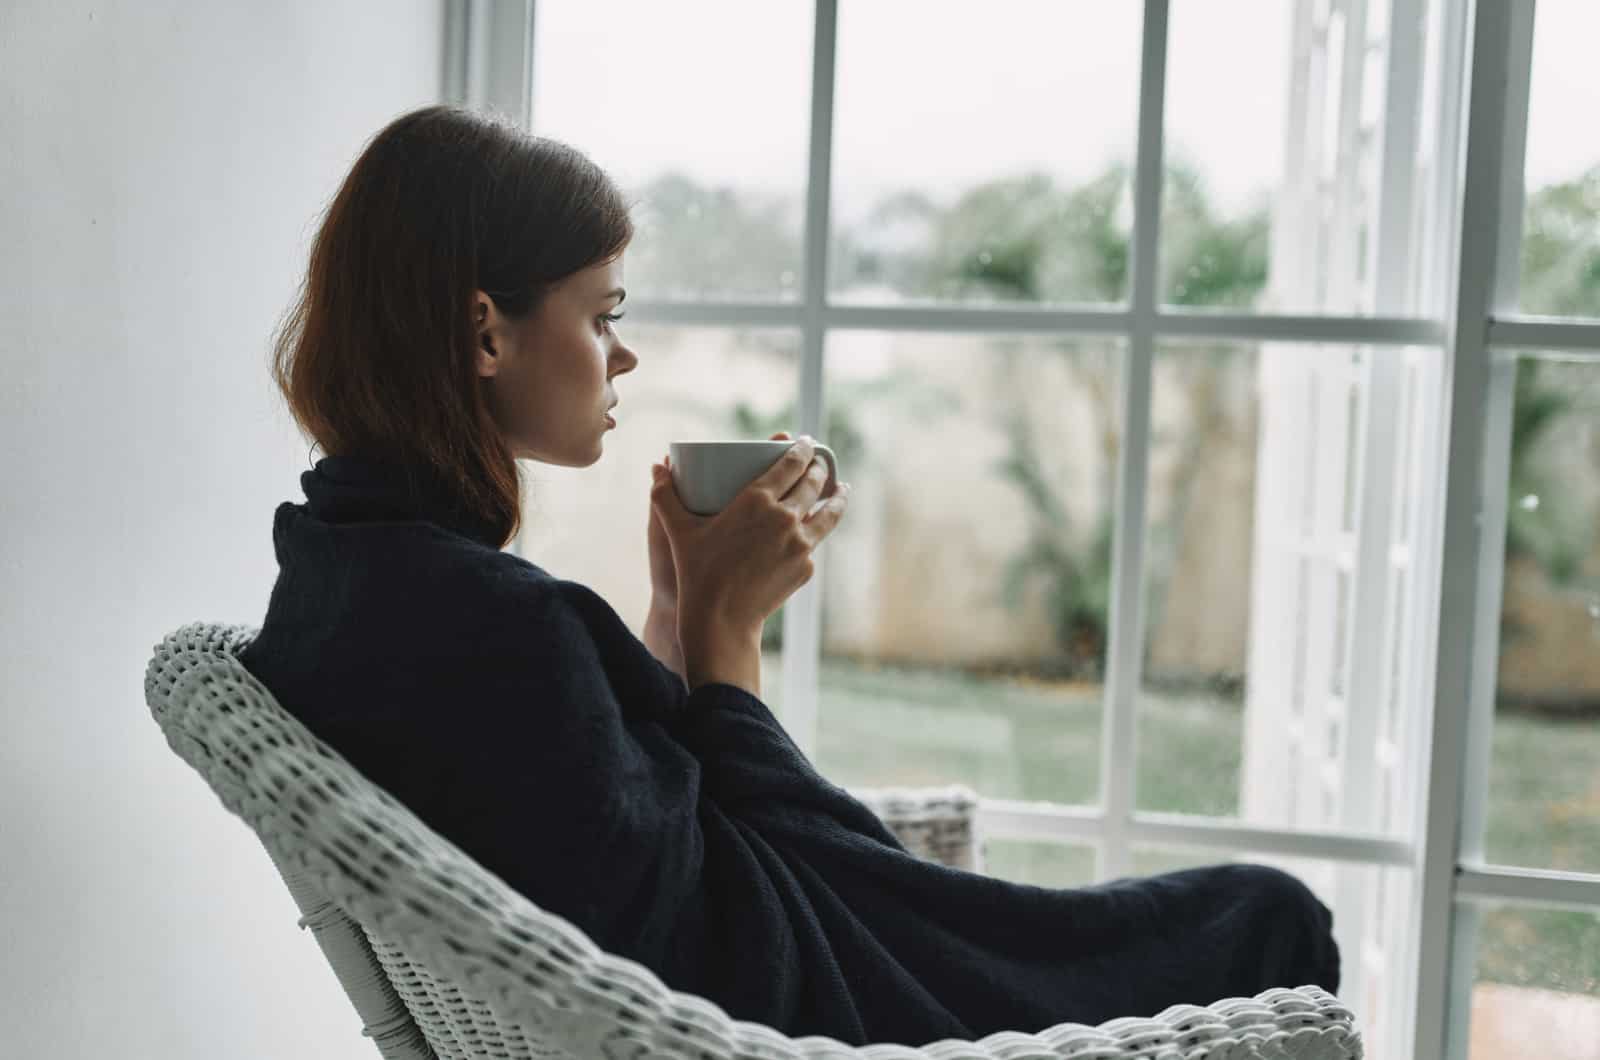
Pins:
x,y
441,958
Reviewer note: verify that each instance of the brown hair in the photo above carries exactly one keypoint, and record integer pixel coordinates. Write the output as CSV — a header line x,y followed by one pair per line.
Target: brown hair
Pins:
x,y
376,354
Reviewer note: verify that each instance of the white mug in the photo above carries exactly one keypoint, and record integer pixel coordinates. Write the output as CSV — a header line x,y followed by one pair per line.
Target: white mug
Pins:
x,y
708,475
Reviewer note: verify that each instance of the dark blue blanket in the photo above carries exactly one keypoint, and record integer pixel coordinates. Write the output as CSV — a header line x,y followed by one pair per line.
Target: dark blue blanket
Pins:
x,y
516,714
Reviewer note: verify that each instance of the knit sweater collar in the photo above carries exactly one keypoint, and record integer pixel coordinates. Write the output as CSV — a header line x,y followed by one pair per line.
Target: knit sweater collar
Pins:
x,y
360,489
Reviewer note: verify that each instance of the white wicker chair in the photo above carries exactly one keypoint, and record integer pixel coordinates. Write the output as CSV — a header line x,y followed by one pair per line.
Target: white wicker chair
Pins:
x,y
444,960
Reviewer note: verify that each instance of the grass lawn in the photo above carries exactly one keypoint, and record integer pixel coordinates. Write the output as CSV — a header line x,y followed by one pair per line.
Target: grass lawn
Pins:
x,y
881,725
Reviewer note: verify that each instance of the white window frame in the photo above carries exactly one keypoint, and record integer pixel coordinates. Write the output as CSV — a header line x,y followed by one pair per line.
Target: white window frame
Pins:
x,y
1455,878
1486,49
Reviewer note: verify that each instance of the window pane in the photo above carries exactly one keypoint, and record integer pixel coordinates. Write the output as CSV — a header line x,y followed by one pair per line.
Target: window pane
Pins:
x,y
1273,164
964,594
1041,864
1259,699
709,139
1544,782
983,159
1537,987
1561,219
1369,904
589,524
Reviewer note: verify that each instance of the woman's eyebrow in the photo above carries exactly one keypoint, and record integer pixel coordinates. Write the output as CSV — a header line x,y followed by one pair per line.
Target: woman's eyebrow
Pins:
x,y
618,293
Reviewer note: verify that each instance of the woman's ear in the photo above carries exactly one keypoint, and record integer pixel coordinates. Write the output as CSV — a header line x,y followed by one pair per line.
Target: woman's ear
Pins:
x,y
486,322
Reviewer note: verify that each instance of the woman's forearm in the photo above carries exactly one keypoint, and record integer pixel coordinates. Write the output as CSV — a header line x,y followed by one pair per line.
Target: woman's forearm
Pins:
x,y
661,636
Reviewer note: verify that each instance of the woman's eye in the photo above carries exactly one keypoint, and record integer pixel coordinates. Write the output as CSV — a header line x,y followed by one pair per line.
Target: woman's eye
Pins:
x,y
611,318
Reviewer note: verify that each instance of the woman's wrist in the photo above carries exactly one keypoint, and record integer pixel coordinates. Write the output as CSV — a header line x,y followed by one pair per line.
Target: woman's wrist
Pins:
x,y
716,651
661,634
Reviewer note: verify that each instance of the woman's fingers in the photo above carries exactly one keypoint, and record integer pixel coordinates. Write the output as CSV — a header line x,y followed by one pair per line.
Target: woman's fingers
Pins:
x,y
821,522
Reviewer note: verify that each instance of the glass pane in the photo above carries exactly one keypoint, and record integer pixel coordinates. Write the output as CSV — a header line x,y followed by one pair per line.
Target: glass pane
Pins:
x,y
1369,904
1561,218
1041,864
964,594
1258,699
1544,781
1273,164
708,139
1537,988
589,524
983,159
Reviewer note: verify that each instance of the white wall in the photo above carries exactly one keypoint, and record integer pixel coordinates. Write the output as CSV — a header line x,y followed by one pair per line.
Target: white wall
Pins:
x,y
162,166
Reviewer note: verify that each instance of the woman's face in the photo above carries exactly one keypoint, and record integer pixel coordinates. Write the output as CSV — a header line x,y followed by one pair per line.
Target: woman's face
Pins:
x,y
547,378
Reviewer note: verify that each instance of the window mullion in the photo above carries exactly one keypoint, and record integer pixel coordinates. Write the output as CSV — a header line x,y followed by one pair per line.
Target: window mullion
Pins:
x,y
488,57
1581,337
802,613
1382,375
1514,148
1539,888
1500,400
1441,997
1493,469
1124,651
1171,322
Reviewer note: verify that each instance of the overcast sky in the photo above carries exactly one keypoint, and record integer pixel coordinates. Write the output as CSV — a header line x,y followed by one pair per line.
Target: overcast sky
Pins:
x,y
936,96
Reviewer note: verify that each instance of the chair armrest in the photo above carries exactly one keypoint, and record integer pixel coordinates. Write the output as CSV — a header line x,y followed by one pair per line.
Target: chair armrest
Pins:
x,y
938,824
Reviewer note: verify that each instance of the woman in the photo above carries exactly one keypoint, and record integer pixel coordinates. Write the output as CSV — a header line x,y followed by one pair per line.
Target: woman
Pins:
x,y
458,315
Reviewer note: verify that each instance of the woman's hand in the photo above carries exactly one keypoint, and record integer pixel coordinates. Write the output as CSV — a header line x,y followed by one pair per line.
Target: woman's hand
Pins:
x,y
663,573
737,567
661,622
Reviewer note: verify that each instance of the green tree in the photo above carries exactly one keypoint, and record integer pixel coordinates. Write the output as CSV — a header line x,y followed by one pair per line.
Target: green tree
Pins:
x,y
1073,572
1560,276
1207,261
1024,239
1561,248
697,242
1027,239
1538,523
